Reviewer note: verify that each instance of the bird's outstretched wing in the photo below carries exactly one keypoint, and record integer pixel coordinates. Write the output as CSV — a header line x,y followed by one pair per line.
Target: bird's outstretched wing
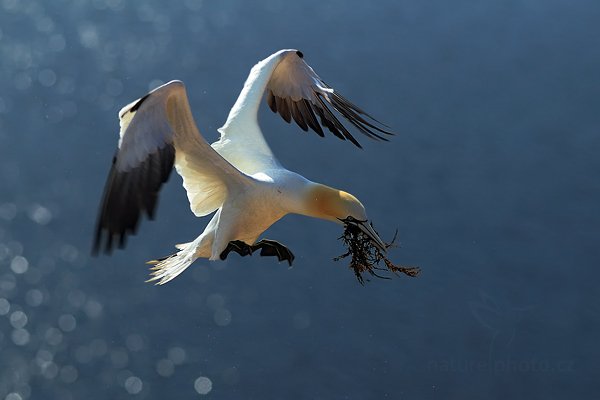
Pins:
x,y
157,132
295,91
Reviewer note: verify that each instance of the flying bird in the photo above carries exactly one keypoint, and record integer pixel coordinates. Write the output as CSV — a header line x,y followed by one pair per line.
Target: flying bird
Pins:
x,y
237,178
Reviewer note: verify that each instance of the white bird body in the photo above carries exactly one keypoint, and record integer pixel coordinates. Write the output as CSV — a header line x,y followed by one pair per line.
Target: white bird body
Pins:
x,y
252,209
237,177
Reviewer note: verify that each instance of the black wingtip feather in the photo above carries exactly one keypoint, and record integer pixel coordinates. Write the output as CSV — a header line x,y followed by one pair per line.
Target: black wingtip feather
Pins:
x,y
128,195
298,116
283,109
271,101
318,115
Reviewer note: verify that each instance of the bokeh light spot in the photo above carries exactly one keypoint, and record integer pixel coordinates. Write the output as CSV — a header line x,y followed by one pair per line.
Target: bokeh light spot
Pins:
x,y
67,322
18,319
222,317
176,355
165,367
20,337
34,297
4,306
134,342
19,265
203,385
133,385
68,374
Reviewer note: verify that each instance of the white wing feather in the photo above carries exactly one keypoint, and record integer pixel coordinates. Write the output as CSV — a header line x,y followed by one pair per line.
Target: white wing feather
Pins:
x,y
295,91
158,131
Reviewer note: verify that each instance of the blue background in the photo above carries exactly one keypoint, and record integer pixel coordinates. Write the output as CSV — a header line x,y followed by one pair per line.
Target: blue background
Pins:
x,y
492,182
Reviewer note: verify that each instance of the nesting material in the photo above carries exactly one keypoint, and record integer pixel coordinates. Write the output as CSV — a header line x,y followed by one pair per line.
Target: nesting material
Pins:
x,y
366,257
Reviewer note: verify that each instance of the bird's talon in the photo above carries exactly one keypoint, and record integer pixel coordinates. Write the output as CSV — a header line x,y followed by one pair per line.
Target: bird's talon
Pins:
x,y
243,249
272,248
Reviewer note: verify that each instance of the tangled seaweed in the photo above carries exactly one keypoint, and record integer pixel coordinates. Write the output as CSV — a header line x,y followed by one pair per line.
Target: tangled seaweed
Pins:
x,y
366,257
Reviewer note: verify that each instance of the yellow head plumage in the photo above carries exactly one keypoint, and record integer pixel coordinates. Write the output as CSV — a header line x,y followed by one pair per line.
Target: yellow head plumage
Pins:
x,y
332,204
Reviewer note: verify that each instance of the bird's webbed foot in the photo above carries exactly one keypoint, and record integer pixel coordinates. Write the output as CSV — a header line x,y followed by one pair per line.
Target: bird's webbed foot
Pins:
x,y
243,249
272,248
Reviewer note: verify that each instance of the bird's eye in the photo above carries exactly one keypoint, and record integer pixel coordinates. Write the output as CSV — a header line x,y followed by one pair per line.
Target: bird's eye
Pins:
x,y
299,53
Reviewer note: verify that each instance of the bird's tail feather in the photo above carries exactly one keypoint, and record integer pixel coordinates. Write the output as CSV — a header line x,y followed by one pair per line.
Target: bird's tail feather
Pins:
x,y
165,269
182,246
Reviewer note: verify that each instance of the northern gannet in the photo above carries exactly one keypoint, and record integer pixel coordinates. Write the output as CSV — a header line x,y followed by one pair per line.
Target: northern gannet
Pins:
x,y
237,177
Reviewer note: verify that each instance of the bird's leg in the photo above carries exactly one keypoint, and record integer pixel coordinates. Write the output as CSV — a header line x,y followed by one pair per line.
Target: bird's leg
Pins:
x,y
243,249
272,248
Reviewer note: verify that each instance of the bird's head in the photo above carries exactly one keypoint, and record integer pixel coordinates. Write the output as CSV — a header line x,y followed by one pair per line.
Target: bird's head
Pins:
x,y
343,208
364,246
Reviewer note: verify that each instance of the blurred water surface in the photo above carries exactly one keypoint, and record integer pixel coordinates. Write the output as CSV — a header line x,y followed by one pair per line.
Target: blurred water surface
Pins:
x,y
492,182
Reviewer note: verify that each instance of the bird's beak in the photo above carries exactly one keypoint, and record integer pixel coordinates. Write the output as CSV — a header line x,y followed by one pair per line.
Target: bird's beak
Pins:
x,y
366,228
